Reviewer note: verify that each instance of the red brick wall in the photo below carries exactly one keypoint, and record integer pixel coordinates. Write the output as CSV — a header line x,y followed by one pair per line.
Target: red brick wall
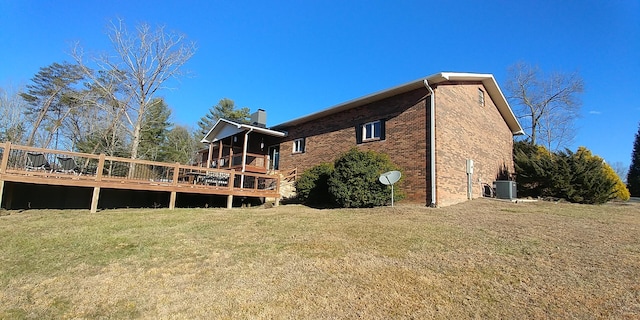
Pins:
x,y
405,143
467,130
464,130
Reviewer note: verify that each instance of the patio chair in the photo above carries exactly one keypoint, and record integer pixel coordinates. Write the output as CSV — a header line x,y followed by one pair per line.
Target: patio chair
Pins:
x,y
68,165
216,178
36,161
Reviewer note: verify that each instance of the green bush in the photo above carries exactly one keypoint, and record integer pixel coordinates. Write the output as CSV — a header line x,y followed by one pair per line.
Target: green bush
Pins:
x,y
354,182
577,177
535,170
312,187
350,182
585,180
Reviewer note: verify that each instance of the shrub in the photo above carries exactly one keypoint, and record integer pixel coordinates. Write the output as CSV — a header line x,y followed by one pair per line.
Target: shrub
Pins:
x,y
535,170
312,187
354,182
620,190
584,178
577,177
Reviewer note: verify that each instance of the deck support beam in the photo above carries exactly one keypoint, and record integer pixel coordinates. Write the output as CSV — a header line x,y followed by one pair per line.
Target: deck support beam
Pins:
x,y
230,201
172,200
94,199
1,192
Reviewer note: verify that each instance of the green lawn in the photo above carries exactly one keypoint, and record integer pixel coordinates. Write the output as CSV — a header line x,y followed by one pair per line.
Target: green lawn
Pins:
x,y
481,259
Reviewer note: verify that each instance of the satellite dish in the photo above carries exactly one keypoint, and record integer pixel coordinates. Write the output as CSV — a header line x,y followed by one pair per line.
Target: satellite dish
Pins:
x,y
389,178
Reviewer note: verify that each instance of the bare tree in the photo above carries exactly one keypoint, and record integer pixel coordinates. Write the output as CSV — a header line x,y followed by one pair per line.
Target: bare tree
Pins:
x,y
11,117
547,104
142,64
104,129
621,170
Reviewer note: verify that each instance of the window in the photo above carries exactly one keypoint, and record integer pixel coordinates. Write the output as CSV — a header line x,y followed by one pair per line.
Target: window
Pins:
x,y
481,97
370,131
298,145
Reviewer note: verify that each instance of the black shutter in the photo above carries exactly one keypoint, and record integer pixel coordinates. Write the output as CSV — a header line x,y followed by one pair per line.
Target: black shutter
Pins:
x,y
359,134
382,129
303,145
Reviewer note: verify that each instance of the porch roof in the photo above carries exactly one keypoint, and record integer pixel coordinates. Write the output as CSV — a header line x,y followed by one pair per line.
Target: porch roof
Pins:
x,y
226,128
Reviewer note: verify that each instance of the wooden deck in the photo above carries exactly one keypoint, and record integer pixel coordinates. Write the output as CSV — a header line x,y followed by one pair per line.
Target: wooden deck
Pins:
x,y
62,168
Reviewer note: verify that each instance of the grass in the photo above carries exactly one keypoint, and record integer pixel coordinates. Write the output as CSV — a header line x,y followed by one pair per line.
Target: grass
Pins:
x,y
480,259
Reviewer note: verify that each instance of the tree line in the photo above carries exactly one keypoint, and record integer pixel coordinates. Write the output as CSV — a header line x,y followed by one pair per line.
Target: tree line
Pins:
x,y
111,103
547,106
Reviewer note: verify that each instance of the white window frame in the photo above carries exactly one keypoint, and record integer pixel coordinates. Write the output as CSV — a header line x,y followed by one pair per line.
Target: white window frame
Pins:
x,y
481,97
298,145
369,131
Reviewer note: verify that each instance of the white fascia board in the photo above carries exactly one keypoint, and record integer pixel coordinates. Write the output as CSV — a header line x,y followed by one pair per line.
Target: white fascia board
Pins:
x,y
204,139
491,85
226,128
487,79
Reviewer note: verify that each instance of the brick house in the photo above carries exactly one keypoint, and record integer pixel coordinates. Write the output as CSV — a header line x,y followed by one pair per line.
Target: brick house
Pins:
x,y
429,127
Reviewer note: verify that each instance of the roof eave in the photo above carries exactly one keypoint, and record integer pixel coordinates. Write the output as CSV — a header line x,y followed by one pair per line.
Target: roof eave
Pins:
x,y
487,79
223,122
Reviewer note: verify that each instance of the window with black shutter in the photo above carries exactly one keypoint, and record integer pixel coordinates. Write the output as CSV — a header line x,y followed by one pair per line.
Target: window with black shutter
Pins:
x,y
370,131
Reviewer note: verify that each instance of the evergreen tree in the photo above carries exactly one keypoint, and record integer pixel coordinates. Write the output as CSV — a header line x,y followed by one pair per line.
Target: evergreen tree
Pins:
x,y
577,177
225,109
155,127
633,176
535,169
585,178
50,98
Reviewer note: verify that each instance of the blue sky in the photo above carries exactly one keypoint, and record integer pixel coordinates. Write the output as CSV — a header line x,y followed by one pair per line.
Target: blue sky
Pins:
x,y
293,58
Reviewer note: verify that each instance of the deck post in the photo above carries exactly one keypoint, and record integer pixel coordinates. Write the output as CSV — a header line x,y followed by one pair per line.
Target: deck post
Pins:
x,y
5,157
230,201
94,199
6,149
1,192
96,189
277,202
174,182
172,200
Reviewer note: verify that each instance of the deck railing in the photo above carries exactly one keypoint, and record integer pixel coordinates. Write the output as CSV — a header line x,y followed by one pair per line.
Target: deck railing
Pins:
x,y
29,164
254,162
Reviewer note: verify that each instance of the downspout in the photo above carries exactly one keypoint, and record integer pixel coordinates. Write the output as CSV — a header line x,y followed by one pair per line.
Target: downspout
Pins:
x,y
244,156
432,143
